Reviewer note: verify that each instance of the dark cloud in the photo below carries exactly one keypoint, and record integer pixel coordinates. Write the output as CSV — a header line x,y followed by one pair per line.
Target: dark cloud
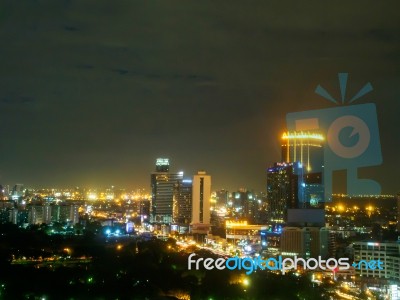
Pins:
x,y
85,66
18,100
71,28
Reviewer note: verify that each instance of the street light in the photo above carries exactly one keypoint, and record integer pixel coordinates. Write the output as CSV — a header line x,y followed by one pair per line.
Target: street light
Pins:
x,y
68,250
246,282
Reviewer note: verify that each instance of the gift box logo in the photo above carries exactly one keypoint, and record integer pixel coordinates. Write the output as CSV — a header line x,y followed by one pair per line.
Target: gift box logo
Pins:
x,y
351,138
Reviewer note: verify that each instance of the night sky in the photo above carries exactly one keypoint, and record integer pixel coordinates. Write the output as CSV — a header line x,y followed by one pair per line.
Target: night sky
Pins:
x,y
93,91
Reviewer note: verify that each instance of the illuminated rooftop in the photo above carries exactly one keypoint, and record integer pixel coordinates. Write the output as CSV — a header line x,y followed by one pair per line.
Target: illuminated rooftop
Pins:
x,y
162,162
306,135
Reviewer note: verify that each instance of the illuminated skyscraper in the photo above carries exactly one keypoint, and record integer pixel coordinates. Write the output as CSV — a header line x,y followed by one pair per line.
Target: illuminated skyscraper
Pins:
x,y
201,202
283,183
163,185
183,202
307,148
304,147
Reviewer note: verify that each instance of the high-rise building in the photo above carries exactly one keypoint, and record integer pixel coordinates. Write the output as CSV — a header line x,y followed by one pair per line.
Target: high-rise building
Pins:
x,y
20,217
5,215
6,211
38,214
144,210
163,185
387,253
73,214
307,148
244,205
398,210
183,202
305,242
35,215
304,147
17,191
46,213
283,185
2,193
201,203
221,198
65,213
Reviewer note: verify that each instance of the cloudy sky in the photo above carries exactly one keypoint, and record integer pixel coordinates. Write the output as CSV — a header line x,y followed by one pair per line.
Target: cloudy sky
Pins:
x,y
93,91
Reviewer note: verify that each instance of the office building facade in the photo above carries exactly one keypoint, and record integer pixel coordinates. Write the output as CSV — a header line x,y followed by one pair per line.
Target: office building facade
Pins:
x,y
64,213
305,242
201,203
388,253
163,188
183,202
283,183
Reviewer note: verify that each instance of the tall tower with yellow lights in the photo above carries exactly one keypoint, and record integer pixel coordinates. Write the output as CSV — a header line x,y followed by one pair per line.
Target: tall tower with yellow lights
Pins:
x,y
307,148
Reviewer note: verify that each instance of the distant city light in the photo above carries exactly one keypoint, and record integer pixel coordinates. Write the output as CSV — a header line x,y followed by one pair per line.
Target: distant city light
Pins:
x,y
373,244
246,282
232,223
92,197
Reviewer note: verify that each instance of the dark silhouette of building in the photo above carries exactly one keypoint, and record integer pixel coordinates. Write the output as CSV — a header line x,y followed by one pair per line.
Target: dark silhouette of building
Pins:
x,y
398,210
183,202
144,210
283,184
221,198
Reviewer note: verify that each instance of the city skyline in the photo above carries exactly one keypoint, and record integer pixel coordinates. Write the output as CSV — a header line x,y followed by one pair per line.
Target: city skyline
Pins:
x,y
199,149
91,93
